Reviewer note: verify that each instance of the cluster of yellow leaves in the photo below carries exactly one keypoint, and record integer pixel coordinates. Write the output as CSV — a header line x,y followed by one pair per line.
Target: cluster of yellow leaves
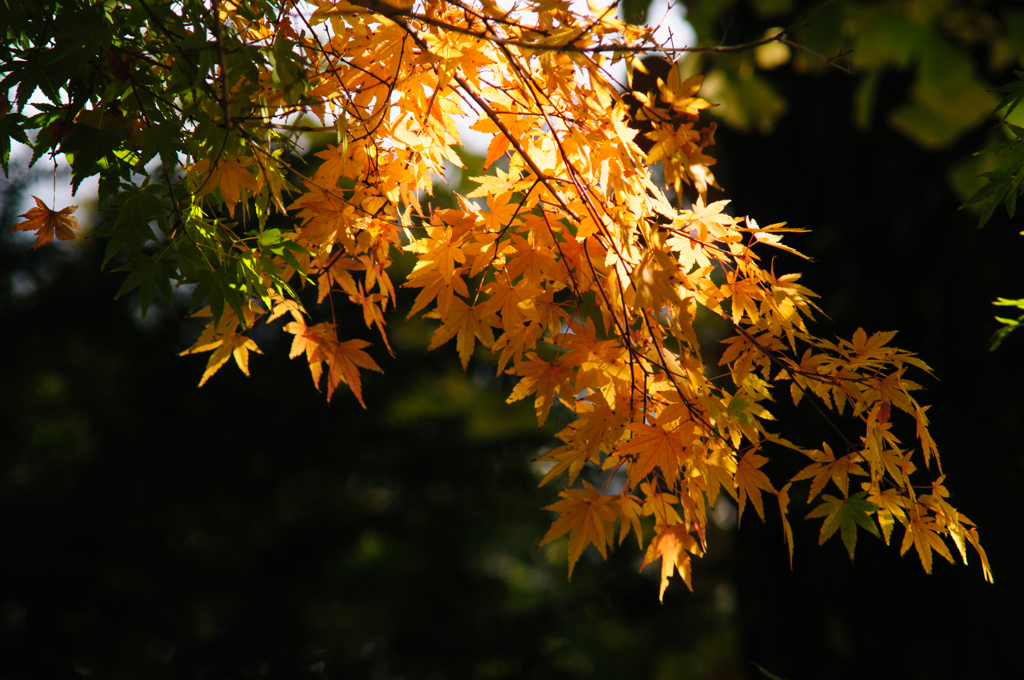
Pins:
x,y
580,273
223,339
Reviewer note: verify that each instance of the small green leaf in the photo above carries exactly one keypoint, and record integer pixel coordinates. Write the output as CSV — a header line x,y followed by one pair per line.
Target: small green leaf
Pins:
x,y
844,515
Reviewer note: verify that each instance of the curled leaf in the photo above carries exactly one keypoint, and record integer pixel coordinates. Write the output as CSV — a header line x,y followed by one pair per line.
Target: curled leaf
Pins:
x,y
49,223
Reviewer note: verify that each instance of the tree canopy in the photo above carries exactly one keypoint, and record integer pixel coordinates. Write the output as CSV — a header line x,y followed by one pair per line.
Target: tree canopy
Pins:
x,y
588,257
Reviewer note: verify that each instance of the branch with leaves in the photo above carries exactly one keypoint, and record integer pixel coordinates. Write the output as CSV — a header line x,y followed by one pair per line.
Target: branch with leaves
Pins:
x,y
1004,185
568,261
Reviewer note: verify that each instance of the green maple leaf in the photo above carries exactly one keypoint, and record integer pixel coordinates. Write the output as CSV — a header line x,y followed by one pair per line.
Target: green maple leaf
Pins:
x,y
845,514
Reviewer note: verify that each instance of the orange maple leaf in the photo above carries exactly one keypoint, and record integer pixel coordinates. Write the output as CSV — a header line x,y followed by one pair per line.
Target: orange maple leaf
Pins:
x,y
343,360
306,341
654,446
469,323
571,457
434,286
629,511
587,517
787,530
374,305
48,223
543,378
671,544
516,340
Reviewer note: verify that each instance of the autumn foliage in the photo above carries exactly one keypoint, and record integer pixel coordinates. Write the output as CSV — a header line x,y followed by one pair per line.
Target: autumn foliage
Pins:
x,y
583,275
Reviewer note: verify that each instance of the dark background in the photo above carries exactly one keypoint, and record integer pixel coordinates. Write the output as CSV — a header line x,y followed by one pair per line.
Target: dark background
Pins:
x,y
250,529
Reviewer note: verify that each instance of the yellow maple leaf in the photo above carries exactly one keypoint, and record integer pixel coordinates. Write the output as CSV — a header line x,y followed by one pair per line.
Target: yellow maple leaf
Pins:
x,y
237,346
826,467
587,517
508,299
750,480
229,176
972,536
920,532
222,338
660,504
440,250
746,295
48,223
890,505
544,378
671,543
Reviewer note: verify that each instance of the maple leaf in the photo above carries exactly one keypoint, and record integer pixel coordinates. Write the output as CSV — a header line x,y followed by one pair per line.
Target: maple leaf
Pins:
x,y
501,183
845,514
434,286
510,300
222,338
709,219
516,340
587,516
469,324
532,260
373,306
440,250
629,511
571,457
920,531
972,536
890,505
651,446
717,469
671,544
826,467
601,364
48,223
787,530
745,295
237,346
229,176
750,480
343,360
660,504
543,378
